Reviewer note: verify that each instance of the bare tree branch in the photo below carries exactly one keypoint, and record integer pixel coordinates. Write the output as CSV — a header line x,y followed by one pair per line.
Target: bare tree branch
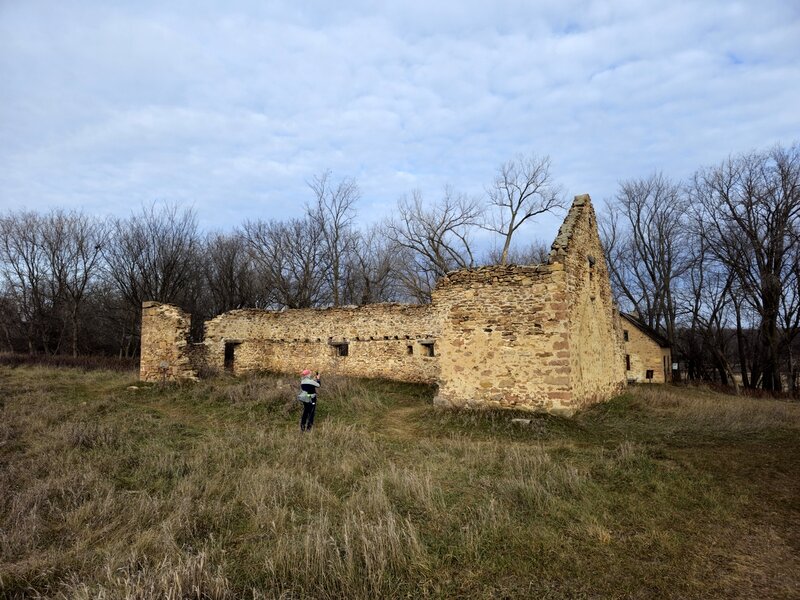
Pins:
x,y
523,189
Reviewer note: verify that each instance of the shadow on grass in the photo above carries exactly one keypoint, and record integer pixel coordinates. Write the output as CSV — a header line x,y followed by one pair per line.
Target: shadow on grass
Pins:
x,y
84,363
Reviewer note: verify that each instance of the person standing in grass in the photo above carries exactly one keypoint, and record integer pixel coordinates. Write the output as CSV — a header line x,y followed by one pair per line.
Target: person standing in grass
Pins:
x,y
309,385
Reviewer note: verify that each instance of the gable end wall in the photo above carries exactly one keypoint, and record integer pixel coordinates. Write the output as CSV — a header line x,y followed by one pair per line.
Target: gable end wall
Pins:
x,y
597,370
646,354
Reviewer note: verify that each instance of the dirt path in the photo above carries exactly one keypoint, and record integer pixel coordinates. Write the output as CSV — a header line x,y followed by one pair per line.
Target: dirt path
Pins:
x,y
399,422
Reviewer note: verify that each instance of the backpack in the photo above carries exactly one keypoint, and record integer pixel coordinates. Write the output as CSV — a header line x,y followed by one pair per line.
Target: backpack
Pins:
x,y
304,397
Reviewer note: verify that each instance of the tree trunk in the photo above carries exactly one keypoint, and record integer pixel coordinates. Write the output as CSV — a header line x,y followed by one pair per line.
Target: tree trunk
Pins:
x,y
770,372
725,371
506,246
792,372
740,345
336,281
74,319
8,338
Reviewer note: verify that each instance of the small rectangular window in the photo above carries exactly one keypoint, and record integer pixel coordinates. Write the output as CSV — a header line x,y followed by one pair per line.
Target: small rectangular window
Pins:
x,y
427,349
625,334
628,362
649,374
409,349
341,349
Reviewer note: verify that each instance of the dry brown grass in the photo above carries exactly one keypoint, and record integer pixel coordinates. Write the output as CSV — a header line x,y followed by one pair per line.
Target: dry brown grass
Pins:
x,y
704,408
85,363
210,491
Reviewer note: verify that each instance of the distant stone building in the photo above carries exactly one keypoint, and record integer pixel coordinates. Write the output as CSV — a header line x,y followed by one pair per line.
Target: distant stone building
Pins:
x,y
542,337
648,356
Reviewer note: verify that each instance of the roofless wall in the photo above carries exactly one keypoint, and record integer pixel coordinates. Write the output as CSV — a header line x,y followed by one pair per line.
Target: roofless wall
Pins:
x,y
543,337
391,341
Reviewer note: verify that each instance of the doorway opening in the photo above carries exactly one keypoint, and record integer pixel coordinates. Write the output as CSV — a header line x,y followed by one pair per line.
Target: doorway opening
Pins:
x,y
230,355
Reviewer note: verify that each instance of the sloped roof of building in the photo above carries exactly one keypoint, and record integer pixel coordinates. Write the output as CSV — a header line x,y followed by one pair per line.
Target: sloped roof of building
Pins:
x,y
647,330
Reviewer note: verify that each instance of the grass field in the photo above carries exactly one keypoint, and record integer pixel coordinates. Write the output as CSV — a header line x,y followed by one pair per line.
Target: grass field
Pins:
x,y
210,491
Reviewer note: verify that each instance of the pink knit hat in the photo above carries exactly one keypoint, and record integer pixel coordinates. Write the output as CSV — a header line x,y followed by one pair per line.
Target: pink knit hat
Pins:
x,y
306,373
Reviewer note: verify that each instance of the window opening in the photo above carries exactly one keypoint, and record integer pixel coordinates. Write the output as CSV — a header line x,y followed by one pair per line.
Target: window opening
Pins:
x,y
625,334
409,349
341,349
427,349
628,362
649,374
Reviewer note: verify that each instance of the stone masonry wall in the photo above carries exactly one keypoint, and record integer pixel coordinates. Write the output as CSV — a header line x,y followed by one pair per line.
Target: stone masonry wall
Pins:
x,y
596,358
645,353
504,337
383,340
536,337
541,337
165,345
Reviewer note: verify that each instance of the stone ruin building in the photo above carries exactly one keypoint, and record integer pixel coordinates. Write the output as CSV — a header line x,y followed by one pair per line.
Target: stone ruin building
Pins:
x,y
541,337
648,356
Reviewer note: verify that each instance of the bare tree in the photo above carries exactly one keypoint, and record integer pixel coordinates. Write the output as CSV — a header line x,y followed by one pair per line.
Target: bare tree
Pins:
x,y
73,243
9,320
523,189
26,275
290,260
706,299
751,207
333,212
645,239
535,253
789,316
229,272
154,255
432,241
373,278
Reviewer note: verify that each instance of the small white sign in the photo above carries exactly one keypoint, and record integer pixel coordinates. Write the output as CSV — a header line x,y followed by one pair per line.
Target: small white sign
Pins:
x,y
674,366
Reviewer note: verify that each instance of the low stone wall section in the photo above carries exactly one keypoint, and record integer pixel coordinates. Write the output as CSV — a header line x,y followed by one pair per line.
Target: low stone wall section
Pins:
x,y
165,351
393,341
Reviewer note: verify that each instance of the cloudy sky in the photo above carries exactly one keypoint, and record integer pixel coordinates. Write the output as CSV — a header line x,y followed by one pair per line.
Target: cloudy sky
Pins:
x,y
232,106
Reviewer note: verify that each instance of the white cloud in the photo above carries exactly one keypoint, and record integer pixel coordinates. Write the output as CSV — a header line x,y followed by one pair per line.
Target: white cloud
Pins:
x,y
233,110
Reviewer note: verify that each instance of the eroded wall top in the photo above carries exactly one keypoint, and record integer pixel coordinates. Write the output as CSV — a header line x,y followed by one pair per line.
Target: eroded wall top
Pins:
x,y
377,321
596,356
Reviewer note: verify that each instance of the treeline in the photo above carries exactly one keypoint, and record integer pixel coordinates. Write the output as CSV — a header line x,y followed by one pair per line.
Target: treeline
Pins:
x,y
713,263
74,284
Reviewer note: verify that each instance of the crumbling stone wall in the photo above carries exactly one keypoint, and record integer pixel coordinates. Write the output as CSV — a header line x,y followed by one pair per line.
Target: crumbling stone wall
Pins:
x,y
542,337
596,367
644,353
165,343
505,337
382,340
